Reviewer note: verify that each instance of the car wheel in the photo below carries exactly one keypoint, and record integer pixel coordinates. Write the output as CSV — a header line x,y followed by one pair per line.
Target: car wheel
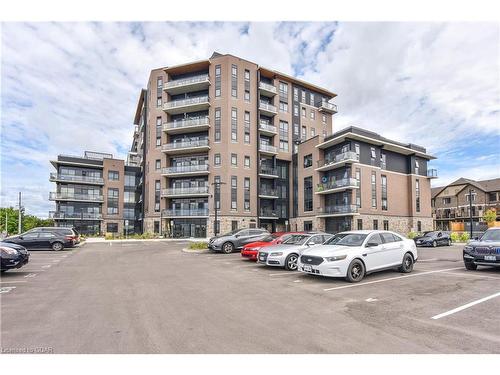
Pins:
x,y
57,246
407,265
470,266
291,262
434,243
227,248
449,242
356,271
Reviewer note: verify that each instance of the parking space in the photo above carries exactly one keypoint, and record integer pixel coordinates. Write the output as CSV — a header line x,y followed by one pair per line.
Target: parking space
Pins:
x,y
152,297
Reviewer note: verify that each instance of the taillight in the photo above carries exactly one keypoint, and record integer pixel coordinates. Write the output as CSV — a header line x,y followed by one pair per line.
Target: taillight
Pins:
x,y
70,238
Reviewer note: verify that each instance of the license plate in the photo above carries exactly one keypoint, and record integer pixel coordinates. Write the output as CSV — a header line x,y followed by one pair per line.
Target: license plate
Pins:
x,y
490,257
307,268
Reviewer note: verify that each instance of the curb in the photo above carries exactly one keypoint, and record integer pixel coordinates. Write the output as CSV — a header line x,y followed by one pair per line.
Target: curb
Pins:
x,y
204,251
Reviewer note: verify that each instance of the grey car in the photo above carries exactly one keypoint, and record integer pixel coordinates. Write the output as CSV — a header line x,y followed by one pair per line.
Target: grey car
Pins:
x,y
484,251
236,239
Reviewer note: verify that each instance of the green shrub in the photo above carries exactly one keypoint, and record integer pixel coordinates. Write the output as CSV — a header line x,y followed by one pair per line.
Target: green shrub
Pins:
x,y
108,236
455,237
198,245
464,237
412,235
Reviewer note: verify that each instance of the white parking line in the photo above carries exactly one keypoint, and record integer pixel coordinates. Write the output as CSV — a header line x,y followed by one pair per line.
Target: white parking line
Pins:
x,y
30,275
463,307
13,282
471,275
6,289
427,260
392,278
284,273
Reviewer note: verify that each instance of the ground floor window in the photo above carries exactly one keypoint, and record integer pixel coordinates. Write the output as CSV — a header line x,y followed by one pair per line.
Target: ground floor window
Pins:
x,y
112,227
419,226
157,227
386,224
375,224
360,224
182,228
308,226
234,224
337,224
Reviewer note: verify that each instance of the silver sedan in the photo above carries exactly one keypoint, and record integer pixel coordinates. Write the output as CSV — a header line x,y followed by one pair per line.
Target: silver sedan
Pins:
x,y
286,254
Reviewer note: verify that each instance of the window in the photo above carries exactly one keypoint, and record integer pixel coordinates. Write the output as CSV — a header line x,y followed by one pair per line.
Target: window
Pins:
x,y
247,127
158,101
217,135
374,190
283,106
360,224
217,160
358,191
304,113
234,81
303,100
234,160
113,175
492,197
386,227
383,159
156,227
417,195
247,85
419,226
313,132
283,136
308,194
158,141
308,161
375,224
373,155
217,192
308,226
247,95
158,164
130,179
312,114
234,193
112,227
234,125
113,201
323,118
159,82
283,91
157,195
234,224
295,110
247,161
247,194
357,150
296,94
304,133
296,130
311,98
247,75
128,197
417,166
467,197
446,200
217,81
384,193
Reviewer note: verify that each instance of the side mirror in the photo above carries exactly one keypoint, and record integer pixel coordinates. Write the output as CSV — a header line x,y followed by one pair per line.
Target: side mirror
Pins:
x,y
236,235
371,244
21,237
476,238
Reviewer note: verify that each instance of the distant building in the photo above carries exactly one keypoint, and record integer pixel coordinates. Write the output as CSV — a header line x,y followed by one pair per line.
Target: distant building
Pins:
x,y
450,203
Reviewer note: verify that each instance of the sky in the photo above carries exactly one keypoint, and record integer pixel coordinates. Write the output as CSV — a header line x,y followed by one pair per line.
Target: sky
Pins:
x,y
70,87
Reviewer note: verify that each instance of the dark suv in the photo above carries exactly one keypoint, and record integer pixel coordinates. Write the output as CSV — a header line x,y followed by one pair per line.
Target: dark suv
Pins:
x,y
434,238
236,239
484,251
40,238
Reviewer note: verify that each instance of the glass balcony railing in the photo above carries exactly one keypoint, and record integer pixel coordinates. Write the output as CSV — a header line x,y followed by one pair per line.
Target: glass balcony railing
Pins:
x,y
264,125
75,196
343,209
344,183
186,123
432,173
185,169
75,178
186,81
185,144
267,87
268,213
268,148
267,107
185,102
75,215
185,191
268,192
328,106
170,212
345,156
268,170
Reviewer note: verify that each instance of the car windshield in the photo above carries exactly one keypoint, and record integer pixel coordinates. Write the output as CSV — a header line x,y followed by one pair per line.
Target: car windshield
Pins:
x,y
268,239
296,239
336,238
351,239
429,234
491,235
232,233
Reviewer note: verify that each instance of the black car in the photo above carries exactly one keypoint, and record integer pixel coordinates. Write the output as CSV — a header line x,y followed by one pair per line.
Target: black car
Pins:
x,y
434,238
236,239
484,251
12,256
67,231
40,239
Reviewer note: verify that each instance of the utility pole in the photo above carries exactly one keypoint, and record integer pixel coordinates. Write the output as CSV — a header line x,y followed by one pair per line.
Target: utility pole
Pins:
x,y
21,208
216,185
470,210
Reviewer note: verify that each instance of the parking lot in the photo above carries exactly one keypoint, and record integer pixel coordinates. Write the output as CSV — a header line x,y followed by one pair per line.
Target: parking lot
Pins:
x,y
151,297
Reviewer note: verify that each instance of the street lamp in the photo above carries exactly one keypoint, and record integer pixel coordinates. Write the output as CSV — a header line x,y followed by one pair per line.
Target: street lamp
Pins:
x,y
216,185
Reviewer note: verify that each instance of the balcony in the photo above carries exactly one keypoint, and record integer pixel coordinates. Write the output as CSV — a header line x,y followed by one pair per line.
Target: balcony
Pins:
x,y
268,214
268,149
186,147
337,161
266,89
187,126
268,193
57,196
337,186
55,177
200,103
333,211
267,109
265,171
56,215
327,107
197,191
180,86
185,170
432,173
267,129
185,213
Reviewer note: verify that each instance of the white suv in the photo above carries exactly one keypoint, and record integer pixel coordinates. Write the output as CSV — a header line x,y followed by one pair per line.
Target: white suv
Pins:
x,y
354,254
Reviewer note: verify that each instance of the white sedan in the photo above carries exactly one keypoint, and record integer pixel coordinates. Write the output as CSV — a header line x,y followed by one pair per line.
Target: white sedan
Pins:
x,y
354,254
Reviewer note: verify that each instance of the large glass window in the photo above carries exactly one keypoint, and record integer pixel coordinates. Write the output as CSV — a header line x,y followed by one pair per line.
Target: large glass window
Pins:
x,y
284,136
113,175
157,195
384,193
128,197
247,127
358,191
308,194
112,201
417,195
234,81
247,193
217,134
374,190
234,124
217,81
234,193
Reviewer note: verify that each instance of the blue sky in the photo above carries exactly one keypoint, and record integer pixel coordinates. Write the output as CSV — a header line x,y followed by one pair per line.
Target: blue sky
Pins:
x,y
70,87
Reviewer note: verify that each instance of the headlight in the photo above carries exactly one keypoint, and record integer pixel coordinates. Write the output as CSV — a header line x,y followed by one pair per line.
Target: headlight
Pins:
x,y
468,249
254,248
276,254
8,250
336,257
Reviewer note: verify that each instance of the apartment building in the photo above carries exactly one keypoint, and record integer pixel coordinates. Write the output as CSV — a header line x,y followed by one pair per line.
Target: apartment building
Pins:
x,y
226,138
96,194
451,204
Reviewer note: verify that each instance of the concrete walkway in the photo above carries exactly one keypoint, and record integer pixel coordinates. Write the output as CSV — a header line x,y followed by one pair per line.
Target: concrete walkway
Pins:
x,y
102,239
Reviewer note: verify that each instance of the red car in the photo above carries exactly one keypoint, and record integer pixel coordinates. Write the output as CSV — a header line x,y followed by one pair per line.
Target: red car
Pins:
x,y
251,250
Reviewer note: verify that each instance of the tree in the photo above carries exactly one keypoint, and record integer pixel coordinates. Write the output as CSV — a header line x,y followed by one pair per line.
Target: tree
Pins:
x,y
28,221
490,216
